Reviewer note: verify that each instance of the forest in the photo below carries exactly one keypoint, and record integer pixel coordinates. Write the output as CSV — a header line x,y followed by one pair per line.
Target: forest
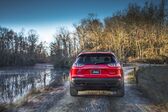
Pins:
x,y
18,49
136,34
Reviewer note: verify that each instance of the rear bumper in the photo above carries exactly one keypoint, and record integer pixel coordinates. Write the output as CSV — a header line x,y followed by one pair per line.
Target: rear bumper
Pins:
x,y
97,83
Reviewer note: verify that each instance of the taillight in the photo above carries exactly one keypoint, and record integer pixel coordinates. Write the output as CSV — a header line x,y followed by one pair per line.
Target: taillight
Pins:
x,y
77,65
119,71
114,65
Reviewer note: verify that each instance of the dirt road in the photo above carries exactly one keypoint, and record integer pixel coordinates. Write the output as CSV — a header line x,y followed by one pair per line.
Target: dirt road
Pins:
x,y
133,101
58,99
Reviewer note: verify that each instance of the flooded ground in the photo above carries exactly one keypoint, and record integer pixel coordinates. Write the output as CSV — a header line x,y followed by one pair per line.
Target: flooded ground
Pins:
x,y
15,82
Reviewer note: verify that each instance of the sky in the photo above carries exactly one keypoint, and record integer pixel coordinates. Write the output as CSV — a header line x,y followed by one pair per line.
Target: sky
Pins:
x,y
47,16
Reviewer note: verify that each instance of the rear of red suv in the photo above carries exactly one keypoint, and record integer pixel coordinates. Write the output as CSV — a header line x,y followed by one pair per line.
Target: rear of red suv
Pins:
x,y
96,71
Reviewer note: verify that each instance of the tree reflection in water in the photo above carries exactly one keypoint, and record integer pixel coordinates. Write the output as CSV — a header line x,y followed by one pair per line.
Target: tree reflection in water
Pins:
x,y
16,83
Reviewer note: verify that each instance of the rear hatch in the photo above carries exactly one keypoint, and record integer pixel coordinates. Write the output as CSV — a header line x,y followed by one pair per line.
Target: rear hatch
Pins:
x,y
96,66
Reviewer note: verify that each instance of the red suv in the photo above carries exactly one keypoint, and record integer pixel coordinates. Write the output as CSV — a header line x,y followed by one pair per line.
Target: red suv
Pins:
x,y
96,71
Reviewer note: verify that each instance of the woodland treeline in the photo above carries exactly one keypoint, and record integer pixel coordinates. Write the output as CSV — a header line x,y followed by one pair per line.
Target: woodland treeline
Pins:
x,y
135,34
138,33
20,49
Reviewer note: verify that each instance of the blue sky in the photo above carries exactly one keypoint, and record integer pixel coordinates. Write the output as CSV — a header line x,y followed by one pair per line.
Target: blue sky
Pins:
x,y
46,16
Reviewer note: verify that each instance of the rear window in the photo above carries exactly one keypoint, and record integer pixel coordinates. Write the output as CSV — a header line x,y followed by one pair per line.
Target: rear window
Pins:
x,y
96,59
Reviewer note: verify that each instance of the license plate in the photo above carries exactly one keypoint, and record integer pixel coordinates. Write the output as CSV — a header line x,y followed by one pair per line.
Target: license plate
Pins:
x,y
95,71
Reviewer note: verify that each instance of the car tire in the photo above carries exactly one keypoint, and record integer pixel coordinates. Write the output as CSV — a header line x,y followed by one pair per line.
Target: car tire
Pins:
x,y
73,91
120,92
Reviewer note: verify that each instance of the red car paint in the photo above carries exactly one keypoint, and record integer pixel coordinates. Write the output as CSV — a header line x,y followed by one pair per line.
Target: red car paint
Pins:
x,y
106,71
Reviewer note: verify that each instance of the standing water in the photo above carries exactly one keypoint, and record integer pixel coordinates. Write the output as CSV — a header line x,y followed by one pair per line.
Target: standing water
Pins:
x,y
15,83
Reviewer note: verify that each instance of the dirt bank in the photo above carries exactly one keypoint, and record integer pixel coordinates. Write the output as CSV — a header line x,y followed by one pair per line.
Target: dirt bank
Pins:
x,y
153,81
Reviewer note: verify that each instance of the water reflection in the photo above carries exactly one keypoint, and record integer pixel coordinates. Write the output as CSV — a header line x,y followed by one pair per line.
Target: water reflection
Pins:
x,y
17,82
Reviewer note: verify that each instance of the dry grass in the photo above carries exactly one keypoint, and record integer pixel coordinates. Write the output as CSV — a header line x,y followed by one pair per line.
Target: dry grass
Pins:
x,y
131,78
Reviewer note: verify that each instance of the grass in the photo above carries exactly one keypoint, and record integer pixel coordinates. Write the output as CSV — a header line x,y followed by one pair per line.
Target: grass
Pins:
x,y
131,78
23,101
